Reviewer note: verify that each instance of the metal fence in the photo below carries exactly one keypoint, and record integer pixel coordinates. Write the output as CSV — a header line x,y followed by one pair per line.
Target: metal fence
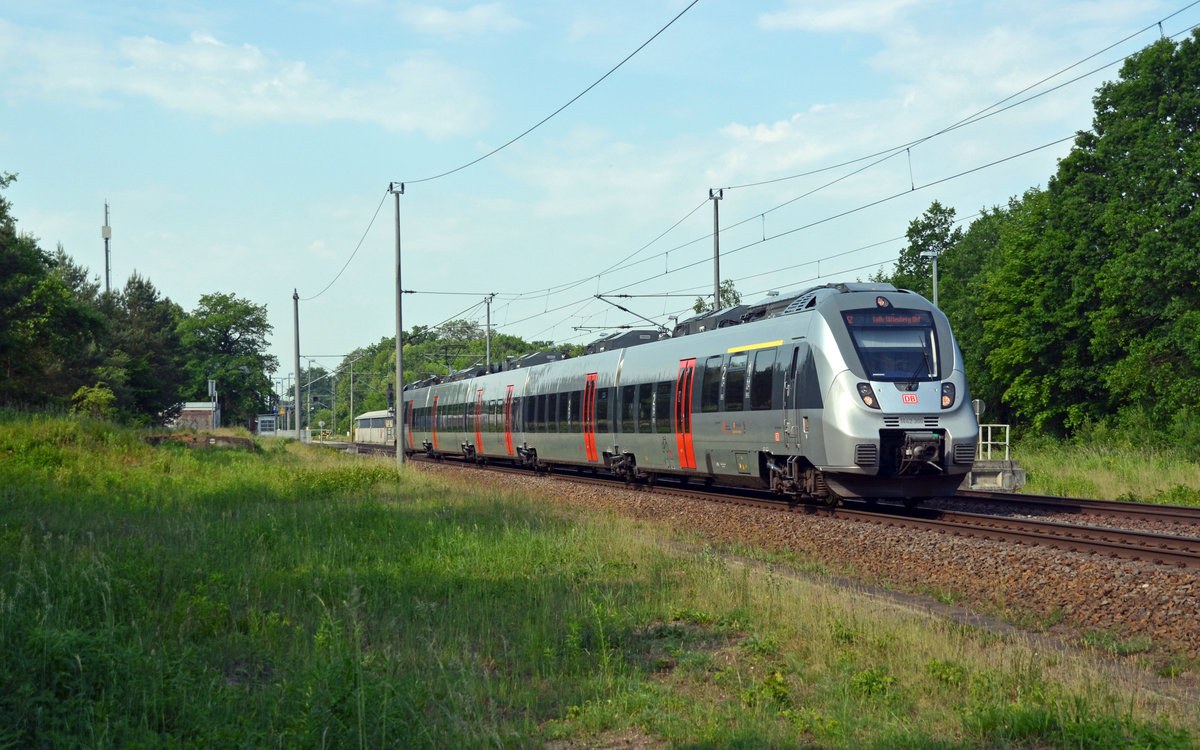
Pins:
x,y
992,437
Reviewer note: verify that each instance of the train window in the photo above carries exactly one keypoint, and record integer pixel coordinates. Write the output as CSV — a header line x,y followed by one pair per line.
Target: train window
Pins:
x,y
531,414
552,413
645,407
808,388
564,411
710,385
629,408
895,345
575,424
539,416
602,410
662,406
735,382
762,380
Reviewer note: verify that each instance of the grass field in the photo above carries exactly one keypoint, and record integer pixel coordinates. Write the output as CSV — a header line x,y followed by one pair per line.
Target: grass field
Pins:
x,y
293,597
1110,472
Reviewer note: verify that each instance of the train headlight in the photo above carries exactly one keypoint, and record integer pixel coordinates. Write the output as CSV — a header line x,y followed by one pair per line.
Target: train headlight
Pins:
x,y
867,394
947,395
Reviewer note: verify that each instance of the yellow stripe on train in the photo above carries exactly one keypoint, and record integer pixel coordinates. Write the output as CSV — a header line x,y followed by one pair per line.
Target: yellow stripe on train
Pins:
x,y
751,347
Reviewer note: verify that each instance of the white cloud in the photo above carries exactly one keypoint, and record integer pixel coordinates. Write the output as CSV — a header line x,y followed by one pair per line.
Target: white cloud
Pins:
x,y
476,20
242,84
851,15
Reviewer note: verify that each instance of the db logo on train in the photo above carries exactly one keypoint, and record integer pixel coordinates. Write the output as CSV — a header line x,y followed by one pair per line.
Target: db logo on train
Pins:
x,y
909,398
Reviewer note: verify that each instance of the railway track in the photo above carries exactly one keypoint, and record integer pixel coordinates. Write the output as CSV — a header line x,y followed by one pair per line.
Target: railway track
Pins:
x,y
1016,523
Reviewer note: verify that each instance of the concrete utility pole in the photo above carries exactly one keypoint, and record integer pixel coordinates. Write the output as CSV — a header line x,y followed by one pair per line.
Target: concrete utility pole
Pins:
x,y
296,398
715,195
397,189
488,332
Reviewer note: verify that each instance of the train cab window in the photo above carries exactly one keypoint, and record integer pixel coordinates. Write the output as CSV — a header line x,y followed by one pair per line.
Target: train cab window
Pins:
x,y
662,406
629,408
645,410
762,379
893,344
602,410
735,382
710,385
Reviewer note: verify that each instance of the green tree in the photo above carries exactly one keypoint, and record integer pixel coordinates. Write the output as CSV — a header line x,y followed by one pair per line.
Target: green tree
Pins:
x,y
47,333
144,359
962,271
94,402
1092,305
226,341
1141,162
933,232
730,297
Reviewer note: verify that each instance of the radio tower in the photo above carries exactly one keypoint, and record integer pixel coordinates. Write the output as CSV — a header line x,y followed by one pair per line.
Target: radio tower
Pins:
x,y
106,233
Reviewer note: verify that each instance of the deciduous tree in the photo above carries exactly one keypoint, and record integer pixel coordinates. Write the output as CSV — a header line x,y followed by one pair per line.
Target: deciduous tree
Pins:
x,y
226,339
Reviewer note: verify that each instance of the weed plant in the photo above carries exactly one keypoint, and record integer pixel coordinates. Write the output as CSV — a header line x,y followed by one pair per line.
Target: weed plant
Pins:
x,y
293,597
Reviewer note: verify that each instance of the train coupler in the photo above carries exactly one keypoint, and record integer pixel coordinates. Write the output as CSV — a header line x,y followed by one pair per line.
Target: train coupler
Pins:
x,y
918,451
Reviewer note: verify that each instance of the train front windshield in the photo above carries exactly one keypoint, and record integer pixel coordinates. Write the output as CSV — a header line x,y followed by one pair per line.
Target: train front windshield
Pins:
x,y
895,345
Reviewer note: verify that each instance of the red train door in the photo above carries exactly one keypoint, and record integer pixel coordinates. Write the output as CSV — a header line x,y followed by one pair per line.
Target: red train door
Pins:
x,y
411,409
683,413
479,420
589,418
433,423
508,420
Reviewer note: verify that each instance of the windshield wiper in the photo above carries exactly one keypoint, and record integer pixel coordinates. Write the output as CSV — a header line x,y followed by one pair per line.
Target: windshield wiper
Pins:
x,y
922,366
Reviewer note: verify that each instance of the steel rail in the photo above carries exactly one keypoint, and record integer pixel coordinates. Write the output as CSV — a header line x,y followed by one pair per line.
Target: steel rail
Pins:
x,y
1150,547
1089,507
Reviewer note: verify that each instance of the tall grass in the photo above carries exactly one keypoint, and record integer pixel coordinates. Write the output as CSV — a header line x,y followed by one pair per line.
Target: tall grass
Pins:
x,y
1109,469
299,598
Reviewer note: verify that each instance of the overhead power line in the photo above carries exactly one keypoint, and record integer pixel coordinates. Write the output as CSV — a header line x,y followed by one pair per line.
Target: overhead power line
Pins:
x,y
880,156
550,116
345,265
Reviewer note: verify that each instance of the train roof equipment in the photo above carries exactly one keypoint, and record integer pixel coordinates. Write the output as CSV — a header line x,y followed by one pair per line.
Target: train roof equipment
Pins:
x,y
622,340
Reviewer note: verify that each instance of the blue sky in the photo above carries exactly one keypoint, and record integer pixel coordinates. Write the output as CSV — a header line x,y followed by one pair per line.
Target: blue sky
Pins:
x,y
247,147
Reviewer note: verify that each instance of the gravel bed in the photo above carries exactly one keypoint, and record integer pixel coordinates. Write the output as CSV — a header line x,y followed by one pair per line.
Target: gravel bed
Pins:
x,y
1065,593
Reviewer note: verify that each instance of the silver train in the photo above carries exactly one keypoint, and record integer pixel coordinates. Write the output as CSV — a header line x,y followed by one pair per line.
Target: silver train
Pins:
x,y
842,390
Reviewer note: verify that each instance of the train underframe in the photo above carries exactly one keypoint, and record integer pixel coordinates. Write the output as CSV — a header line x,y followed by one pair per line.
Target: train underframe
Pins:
x,y
907,466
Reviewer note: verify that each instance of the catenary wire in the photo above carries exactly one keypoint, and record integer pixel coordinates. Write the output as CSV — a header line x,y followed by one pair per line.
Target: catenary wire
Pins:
x,y
550,116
